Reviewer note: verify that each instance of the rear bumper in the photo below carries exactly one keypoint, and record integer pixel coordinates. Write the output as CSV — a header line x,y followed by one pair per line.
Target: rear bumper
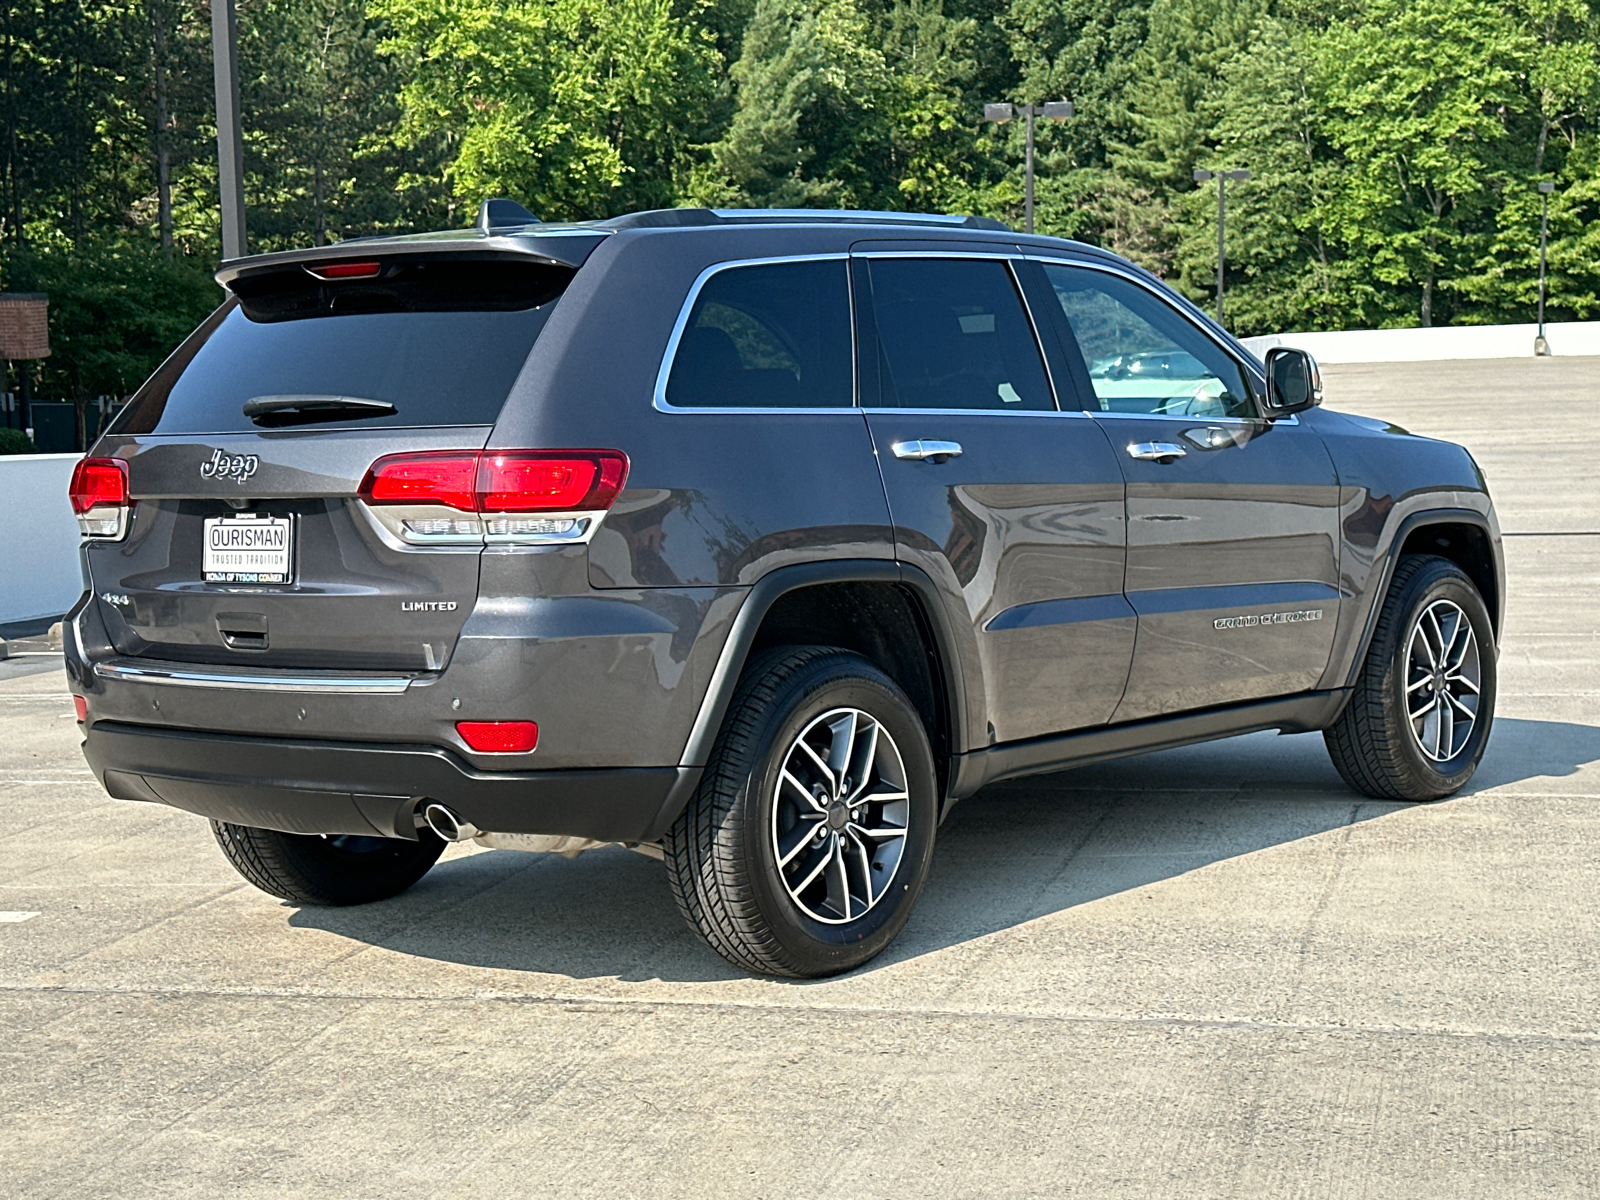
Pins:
x,y
308,786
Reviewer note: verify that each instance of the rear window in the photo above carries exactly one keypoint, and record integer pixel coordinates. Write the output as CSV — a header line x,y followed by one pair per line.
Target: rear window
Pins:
x,y
429,342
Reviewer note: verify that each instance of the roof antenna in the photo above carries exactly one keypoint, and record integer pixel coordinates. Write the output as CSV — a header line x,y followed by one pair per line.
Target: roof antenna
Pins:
x,y
501,213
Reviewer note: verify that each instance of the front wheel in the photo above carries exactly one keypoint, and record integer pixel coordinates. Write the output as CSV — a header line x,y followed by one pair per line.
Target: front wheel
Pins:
x,y
812,831
1418,720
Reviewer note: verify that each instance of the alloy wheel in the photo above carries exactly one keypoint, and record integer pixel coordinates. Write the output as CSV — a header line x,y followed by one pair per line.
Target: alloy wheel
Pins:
x,y
1444,680
840,815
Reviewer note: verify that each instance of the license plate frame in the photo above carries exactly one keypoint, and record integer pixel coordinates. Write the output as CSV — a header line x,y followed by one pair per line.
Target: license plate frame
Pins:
x,y
244,549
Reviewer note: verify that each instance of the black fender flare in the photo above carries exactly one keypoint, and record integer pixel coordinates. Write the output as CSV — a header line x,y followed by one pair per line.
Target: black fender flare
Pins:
x,y
1391,559
765,592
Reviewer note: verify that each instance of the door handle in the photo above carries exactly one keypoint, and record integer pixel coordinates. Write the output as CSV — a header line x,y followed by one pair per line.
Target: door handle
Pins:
x,y
930,451
1156,451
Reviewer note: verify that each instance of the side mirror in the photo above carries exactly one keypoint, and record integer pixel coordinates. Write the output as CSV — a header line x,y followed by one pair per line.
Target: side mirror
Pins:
x,y
1293,381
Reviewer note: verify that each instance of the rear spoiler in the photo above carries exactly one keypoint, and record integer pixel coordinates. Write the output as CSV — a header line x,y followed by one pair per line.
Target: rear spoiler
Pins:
x,y
557,245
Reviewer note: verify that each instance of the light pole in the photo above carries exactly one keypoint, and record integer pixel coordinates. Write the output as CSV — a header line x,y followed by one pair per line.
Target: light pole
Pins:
x,y
1222,177
1052,110
230,145
1540,346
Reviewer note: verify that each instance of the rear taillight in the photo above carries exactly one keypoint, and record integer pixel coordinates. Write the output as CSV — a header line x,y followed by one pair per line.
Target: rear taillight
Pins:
x,y
523,495
99,495
499,737
446,479
548,481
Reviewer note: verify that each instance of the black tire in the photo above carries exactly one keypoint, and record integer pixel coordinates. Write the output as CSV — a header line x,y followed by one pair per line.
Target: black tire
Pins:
x,y
333,870
721,854
1372,743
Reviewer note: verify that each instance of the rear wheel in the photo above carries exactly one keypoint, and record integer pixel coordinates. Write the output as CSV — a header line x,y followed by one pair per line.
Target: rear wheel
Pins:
x,y
812,832
335,869
1419,718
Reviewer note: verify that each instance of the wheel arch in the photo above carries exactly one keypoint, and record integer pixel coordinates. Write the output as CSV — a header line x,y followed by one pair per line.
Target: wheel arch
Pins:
x,y
1465,543
888,612
1466,537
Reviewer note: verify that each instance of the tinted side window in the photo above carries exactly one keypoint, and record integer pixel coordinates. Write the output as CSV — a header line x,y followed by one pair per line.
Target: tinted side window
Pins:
x,y
776,335
953,333
1143,355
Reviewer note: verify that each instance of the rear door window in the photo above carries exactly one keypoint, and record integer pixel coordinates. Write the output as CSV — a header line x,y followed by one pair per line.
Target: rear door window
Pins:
x,y
954,334
768,335
439,342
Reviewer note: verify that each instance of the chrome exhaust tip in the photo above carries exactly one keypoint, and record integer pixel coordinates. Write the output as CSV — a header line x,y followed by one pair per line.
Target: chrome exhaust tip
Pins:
x,y
446,824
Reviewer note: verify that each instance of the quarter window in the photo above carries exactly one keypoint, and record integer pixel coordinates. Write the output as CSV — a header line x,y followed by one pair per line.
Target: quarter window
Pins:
x,y
771,335
1143,355
953,333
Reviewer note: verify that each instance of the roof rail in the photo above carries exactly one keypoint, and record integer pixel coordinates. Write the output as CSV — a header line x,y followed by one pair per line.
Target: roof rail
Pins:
x,y
501,213
860,216
663,218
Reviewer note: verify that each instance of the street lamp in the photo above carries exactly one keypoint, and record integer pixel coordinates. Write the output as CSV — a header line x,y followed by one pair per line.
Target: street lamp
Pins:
x,y
230,143
1222,177
1053,110
1540,346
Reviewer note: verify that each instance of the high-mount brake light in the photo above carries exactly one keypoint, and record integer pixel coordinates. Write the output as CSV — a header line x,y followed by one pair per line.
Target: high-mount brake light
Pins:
x,y
346,270
499,737
99,495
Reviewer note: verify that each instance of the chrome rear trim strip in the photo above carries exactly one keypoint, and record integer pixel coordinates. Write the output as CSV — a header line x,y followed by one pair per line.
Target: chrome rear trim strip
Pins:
x,y
332,683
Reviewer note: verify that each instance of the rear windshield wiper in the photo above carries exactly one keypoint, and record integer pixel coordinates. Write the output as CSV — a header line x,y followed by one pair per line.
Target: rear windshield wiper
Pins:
x,y
309,410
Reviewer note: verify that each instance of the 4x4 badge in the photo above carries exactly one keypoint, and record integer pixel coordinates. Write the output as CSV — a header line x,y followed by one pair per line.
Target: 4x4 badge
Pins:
x,y
237,467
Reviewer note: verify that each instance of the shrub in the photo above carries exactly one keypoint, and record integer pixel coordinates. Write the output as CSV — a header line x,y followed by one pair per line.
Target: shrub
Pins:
x,y
14,441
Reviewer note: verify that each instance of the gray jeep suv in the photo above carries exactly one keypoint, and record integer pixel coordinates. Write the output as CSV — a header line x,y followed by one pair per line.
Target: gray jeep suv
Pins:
x,y
750,540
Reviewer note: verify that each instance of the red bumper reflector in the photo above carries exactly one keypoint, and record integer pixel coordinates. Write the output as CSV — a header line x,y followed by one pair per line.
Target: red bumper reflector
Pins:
x,y
499,737
82,705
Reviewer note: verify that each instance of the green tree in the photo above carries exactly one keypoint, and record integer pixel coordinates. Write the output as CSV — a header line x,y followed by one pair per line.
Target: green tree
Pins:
x,y
811,92
578,107
1283,271
1417,100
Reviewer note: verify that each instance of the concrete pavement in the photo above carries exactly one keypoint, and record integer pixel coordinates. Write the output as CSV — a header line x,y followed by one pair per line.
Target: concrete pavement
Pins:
x,y
1208,972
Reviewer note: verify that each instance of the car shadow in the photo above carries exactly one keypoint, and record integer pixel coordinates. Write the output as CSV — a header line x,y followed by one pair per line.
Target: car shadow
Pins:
x,y
1012,853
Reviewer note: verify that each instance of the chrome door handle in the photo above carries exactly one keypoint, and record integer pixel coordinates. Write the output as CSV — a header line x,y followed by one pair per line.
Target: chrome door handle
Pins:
x,y
925,451
1156,451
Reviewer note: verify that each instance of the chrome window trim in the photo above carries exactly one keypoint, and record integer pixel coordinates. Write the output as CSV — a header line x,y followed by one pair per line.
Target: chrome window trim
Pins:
x,y
1007,257
239,679
664,372
980,412
1193,418
1253,371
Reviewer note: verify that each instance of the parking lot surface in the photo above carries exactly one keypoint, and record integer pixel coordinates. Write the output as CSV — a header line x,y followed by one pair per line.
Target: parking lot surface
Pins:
x,y
1207,972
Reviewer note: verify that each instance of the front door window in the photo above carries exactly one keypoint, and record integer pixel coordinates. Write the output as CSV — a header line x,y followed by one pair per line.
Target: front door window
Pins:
x,y
1142,356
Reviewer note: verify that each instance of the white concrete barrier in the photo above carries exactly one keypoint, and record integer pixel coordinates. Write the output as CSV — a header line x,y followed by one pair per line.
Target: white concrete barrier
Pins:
x,y
39,573
1566,338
